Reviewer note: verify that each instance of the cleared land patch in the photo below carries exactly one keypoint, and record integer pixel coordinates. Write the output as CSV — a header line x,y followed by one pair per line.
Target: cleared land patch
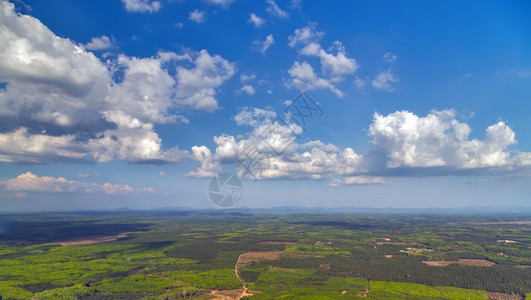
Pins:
x,y
88,240
394,243
248,257
226,294
465,262
277,243
502,296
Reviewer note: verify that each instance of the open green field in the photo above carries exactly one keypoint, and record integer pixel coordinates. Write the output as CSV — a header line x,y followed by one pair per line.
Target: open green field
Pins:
x,y
225,254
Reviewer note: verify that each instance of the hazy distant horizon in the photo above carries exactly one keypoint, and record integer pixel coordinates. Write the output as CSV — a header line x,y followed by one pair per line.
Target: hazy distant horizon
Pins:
x,y
465,210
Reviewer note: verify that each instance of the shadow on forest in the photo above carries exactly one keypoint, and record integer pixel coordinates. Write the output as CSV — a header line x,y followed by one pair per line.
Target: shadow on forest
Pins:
x,y
52,231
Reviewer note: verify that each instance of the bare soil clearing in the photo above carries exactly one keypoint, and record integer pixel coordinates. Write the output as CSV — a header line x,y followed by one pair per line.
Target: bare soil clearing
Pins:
x,y
439,263
226,294
502,296
276,243
248,257
465,262
88,240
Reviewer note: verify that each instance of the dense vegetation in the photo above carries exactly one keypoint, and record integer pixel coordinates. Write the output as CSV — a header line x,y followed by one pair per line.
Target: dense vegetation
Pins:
x,y
193,254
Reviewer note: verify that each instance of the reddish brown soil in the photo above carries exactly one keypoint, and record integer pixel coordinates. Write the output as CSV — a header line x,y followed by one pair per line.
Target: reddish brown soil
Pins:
x,y
465,262
502,296
248,257
88,240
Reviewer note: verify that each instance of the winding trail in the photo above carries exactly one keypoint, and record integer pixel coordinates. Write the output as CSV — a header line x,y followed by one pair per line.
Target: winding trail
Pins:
x,y
243,259
233,294
244,292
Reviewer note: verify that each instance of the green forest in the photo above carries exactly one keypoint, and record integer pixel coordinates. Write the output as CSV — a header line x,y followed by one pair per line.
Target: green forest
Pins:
x,y
246,254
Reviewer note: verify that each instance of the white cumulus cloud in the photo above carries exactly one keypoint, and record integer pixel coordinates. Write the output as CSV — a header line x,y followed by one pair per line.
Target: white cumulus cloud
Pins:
x,y
100,43
61,102
437,144
335,65
305,35
196,87
439,140
223,3
197,16
275,10
148,6
271,151
256,20
268,42
364,180
248,89
303,77
209,167
384,81
29,182
52,82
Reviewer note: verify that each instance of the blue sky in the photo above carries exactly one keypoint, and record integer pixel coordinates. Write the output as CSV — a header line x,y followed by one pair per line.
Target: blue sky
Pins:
x,y
140,103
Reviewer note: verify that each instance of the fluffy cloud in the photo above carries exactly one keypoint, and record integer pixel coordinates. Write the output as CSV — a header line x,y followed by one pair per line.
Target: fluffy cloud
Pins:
x,y
29,182
209,167
276,11
223,3
364,180
100,43
270,151
335,65
246,78
148,6
138,144
437,144
197,16
62,103
19,146
439,140
133,146
52,83
247,86
196,87
314,160
268,42
145,93
303,77
305,35
142,98
256,20
384,79
248,89
254,116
